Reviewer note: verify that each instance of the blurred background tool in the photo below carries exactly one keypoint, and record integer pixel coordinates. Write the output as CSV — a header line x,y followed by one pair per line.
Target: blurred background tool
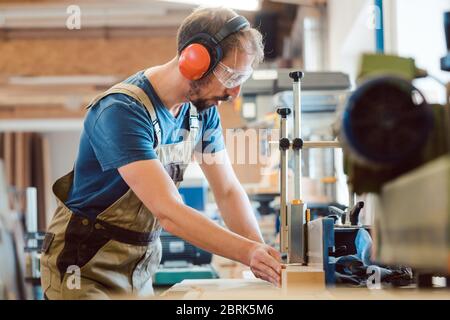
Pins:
x,y
388,128
12,268
181,260
398,146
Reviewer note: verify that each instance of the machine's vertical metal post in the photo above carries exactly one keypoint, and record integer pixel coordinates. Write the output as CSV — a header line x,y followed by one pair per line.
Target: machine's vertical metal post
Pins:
x,y
284,147
296,210
296,76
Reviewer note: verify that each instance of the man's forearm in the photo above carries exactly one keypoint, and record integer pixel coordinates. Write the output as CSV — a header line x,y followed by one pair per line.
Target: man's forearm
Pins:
x,y
156,190
192,226
237,213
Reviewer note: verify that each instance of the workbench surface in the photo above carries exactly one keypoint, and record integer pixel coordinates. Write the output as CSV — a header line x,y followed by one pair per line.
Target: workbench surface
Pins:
x,y
249,289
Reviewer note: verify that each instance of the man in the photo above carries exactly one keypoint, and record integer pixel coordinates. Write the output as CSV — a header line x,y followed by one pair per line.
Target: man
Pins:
x,y
137,140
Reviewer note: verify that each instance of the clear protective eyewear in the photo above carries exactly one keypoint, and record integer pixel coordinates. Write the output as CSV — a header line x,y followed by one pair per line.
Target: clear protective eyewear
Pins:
x,y
231,78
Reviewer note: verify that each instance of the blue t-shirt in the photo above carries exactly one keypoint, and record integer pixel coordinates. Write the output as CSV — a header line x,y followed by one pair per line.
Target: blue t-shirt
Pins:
x,y
118,131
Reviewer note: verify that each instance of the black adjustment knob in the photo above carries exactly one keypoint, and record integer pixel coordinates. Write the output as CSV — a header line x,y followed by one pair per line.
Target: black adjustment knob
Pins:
x,y
297,144
284,112
296,75
354,213
284,143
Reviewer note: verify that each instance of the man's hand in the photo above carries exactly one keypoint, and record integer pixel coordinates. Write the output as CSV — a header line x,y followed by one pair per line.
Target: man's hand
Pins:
x,y
265,263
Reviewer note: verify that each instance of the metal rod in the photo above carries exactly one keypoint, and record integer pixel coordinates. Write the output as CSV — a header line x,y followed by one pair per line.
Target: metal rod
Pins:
x,y
284,190
316,144
296,219
321,144
297,134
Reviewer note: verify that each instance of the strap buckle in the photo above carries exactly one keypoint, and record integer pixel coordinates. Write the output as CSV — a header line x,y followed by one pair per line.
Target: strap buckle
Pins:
x,y
193,122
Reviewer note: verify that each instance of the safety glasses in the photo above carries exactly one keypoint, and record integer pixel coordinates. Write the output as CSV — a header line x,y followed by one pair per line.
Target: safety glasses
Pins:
x,y
231,78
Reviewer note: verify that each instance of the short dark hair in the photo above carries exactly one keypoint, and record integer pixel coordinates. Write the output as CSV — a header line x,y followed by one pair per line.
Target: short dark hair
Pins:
x,y
210,20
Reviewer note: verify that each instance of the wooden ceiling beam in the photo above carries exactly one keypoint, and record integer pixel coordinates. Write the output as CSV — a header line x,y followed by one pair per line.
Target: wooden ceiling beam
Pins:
x,y
86,33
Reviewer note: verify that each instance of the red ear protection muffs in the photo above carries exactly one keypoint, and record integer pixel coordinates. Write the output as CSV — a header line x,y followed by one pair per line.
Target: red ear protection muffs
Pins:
x,y
200,54
194,61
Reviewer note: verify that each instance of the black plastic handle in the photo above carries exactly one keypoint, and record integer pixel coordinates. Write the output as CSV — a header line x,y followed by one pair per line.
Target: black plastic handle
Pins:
x,y
354,213
284,112
296,75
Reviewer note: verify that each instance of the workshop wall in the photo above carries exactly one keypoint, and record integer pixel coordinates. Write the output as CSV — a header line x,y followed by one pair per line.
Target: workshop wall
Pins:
x,y
118,56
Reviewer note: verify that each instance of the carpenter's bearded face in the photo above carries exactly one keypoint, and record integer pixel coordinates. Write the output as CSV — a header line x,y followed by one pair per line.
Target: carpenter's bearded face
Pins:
x,y
201,95
211,90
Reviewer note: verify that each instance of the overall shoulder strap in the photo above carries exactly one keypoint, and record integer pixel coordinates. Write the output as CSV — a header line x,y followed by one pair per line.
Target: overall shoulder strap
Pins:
x,y
138,94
